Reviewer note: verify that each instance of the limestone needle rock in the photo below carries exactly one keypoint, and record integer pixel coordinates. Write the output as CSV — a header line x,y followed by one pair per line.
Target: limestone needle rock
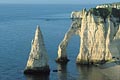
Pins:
x,y
38,59
99,31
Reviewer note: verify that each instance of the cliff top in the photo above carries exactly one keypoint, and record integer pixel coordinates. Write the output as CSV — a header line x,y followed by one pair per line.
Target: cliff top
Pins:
x,y
105,12
112,5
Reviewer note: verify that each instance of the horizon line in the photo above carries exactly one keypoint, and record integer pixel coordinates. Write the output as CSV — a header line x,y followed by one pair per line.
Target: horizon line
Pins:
x,y
61,3
53,3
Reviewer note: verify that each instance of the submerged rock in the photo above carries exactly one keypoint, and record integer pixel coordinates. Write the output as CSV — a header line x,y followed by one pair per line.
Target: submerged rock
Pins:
x,y
38,59
99,31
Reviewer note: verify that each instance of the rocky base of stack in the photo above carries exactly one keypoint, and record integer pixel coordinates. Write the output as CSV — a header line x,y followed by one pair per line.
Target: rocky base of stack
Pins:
x,y
62,60
37,70
84,62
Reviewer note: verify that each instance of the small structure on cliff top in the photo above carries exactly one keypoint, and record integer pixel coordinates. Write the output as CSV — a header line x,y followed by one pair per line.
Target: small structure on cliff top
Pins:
x,y
38,59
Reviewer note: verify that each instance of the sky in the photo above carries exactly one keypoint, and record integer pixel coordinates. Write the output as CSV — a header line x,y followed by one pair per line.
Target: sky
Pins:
x,y
57,1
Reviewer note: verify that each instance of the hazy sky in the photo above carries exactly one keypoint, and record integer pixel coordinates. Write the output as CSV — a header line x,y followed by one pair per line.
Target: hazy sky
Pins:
x,y
58,1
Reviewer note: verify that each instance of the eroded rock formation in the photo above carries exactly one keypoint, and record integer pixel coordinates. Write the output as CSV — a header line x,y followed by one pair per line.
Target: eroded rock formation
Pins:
x,y
38,59
99,31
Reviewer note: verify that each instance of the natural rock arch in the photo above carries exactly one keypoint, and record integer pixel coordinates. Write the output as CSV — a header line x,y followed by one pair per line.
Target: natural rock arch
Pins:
x,y
62,54
100,38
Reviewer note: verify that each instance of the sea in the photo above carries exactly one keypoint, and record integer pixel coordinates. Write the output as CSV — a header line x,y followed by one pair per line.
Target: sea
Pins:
x,y
17,28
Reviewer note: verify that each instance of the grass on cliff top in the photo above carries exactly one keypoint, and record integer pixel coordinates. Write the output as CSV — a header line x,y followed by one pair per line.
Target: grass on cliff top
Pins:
x,y
106,12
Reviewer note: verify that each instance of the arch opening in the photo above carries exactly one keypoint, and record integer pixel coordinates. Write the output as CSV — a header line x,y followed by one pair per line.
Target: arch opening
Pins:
x,y
73,47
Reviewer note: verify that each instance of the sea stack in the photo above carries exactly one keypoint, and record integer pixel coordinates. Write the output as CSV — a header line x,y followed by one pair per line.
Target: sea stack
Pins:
x,y
99,32
38,59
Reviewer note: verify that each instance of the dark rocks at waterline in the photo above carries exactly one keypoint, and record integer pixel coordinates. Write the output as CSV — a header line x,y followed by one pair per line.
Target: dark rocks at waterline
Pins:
x,y
35,71
56,70
62,60
37,77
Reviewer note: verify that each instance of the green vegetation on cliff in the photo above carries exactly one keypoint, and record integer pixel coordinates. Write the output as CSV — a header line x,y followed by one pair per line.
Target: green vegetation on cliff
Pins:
x,y
106,12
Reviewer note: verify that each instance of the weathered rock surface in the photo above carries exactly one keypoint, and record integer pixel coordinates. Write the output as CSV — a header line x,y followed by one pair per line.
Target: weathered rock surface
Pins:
x,y
38,59
99,30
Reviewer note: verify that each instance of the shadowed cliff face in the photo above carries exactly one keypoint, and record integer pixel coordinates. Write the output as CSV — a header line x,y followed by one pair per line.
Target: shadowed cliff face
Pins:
x,y
100,35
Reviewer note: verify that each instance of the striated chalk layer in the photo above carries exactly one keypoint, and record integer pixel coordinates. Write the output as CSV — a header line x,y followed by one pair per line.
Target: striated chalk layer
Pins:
x,y
99,31
38,59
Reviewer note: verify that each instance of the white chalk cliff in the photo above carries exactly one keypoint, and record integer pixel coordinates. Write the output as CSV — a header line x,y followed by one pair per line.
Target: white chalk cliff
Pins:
x,y
38,59
99,34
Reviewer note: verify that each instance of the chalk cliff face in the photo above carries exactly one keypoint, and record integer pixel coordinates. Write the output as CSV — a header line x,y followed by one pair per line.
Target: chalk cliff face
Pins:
x,y
38,59
99,31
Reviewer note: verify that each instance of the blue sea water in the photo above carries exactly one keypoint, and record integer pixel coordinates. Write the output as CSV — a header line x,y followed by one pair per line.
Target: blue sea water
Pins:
x,y
17,27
